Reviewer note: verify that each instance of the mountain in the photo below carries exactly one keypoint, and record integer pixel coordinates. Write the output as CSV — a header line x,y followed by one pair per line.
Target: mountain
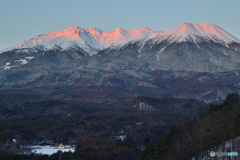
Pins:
x,y
90,40
199,61
93,39
199,32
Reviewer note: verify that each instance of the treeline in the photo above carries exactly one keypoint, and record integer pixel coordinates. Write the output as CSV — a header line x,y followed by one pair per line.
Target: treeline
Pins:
x,y
63,122
94,128
212,128
100,147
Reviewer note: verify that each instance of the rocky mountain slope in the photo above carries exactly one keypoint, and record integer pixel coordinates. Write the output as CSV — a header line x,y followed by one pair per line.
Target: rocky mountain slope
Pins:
x,y
200,61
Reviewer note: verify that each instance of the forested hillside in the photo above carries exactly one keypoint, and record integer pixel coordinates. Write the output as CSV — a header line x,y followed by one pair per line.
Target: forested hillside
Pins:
x,y
212,128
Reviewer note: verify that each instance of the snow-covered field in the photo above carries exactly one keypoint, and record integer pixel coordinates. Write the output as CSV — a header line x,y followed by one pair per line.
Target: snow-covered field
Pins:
x,y
49,150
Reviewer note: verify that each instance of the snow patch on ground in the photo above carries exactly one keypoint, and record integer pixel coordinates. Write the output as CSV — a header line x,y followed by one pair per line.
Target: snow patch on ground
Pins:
x,y
49,150
162,50
24,61
144,107
14,140
17,62
29,57
121,137
225,53
26,50
7,66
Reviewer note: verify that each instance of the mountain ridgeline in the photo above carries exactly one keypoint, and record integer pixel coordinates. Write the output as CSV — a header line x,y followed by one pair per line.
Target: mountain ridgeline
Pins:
x,y
199,61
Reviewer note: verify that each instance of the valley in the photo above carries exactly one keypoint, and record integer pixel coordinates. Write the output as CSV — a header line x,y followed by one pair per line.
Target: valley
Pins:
x,y
113,94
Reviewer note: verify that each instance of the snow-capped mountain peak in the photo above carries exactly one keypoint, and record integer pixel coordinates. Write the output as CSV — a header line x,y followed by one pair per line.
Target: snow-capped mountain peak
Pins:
x,y
215,33
90,40
196,32
93,39
145,28
185,29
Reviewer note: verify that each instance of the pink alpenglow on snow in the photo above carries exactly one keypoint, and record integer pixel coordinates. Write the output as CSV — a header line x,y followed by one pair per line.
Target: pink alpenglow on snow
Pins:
x,y
93,39
203,30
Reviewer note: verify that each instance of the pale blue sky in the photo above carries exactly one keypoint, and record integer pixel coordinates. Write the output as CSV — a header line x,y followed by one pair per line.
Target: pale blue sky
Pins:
x,y
24,19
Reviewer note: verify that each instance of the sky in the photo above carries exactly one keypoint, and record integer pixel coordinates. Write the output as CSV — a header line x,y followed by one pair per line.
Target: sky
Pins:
x,y
24,19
